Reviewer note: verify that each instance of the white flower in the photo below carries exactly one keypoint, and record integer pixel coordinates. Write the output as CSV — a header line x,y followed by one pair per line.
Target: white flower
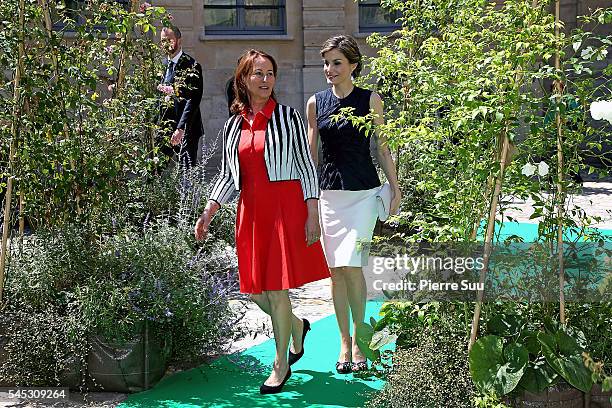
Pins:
x,y
601,110
542,169
528,169
156,160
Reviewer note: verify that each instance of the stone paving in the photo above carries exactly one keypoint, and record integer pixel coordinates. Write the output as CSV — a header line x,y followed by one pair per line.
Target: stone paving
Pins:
x,y
595,200
313,300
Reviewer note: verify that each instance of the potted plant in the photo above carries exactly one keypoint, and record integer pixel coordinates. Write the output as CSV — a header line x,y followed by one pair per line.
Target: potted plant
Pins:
x,y
534,365
154,298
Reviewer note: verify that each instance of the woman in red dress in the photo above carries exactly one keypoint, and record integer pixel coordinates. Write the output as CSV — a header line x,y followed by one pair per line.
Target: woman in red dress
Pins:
x,y
266,157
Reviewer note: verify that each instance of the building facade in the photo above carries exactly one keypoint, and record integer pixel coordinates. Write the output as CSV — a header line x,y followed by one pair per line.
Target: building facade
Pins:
x,y
217,32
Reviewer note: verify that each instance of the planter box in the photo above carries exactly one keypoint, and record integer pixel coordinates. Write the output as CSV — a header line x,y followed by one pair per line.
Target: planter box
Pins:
x,y
600,399
551,398
126,367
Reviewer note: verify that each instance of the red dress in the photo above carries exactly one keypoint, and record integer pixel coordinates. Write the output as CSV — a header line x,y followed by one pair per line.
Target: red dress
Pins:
x,y
271,220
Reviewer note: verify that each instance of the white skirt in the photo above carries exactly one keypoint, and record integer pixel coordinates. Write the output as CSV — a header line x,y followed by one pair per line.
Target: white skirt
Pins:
x,y
348,219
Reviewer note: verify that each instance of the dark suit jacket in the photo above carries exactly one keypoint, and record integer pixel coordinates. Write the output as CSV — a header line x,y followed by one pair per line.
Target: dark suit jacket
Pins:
x,y
184,112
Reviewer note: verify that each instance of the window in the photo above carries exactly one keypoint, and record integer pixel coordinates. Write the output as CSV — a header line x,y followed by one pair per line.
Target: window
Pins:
x,y
76,10
372,17
244,16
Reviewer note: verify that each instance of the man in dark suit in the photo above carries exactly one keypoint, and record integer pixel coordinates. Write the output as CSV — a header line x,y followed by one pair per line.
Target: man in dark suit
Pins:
x,y
183,83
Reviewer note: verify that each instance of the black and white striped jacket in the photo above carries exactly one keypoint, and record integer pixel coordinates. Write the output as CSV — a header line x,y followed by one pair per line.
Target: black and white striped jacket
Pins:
x,y
286,153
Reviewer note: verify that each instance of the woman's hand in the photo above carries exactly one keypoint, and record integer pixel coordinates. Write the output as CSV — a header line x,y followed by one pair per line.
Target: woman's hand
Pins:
x,y
313,229
396,199
201,227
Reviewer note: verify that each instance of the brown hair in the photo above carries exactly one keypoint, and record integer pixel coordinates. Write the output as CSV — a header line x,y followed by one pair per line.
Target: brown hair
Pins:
x,y
174,29
245,64
347,46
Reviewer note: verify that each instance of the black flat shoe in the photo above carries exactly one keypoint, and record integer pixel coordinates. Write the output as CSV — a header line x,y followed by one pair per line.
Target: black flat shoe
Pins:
x,y
293,358
274,389
344,368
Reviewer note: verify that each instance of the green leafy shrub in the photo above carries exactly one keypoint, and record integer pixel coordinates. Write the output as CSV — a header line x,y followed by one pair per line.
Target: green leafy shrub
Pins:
x,y
431,373
65,287
459,77
523,348
88,106
44,346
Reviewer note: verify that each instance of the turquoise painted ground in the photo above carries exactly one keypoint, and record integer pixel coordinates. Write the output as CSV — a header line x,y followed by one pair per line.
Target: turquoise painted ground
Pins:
x,y
233,381
529,232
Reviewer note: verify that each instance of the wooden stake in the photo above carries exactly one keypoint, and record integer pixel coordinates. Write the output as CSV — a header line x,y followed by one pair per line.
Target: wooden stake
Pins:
x,y
14,131
489,236
476,225
560,189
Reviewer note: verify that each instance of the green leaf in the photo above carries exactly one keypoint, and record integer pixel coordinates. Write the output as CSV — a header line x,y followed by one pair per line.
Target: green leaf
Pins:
x,y
381,339
504,325
538,376
495,368
578,336
530,339
485,360
365,332
550,325
606,385
568,346
570,367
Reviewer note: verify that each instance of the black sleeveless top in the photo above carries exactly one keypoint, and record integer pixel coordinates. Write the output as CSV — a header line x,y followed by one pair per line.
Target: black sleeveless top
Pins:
x,y
347,163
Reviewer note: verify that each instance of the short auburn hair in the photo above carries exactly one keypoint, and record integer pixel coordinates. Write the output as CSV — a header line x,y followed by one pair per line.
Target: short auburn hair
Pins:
x,y
243,70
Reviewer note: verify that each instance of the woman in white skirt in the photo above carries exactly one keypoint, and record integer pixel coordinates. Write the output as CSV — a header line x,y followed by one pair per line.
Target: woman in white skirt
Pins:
x,y
349,183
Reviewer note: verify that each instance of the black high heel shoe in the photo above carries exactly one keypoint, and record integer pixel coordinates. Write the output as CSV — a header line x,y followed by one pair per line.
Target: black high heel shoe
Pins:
x,y
274,389
344,367
294,357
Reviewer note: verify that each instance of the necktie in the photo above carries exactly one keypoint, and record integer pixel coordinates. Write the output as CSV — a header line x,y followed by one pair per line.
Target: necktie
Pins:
x,y
169,73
